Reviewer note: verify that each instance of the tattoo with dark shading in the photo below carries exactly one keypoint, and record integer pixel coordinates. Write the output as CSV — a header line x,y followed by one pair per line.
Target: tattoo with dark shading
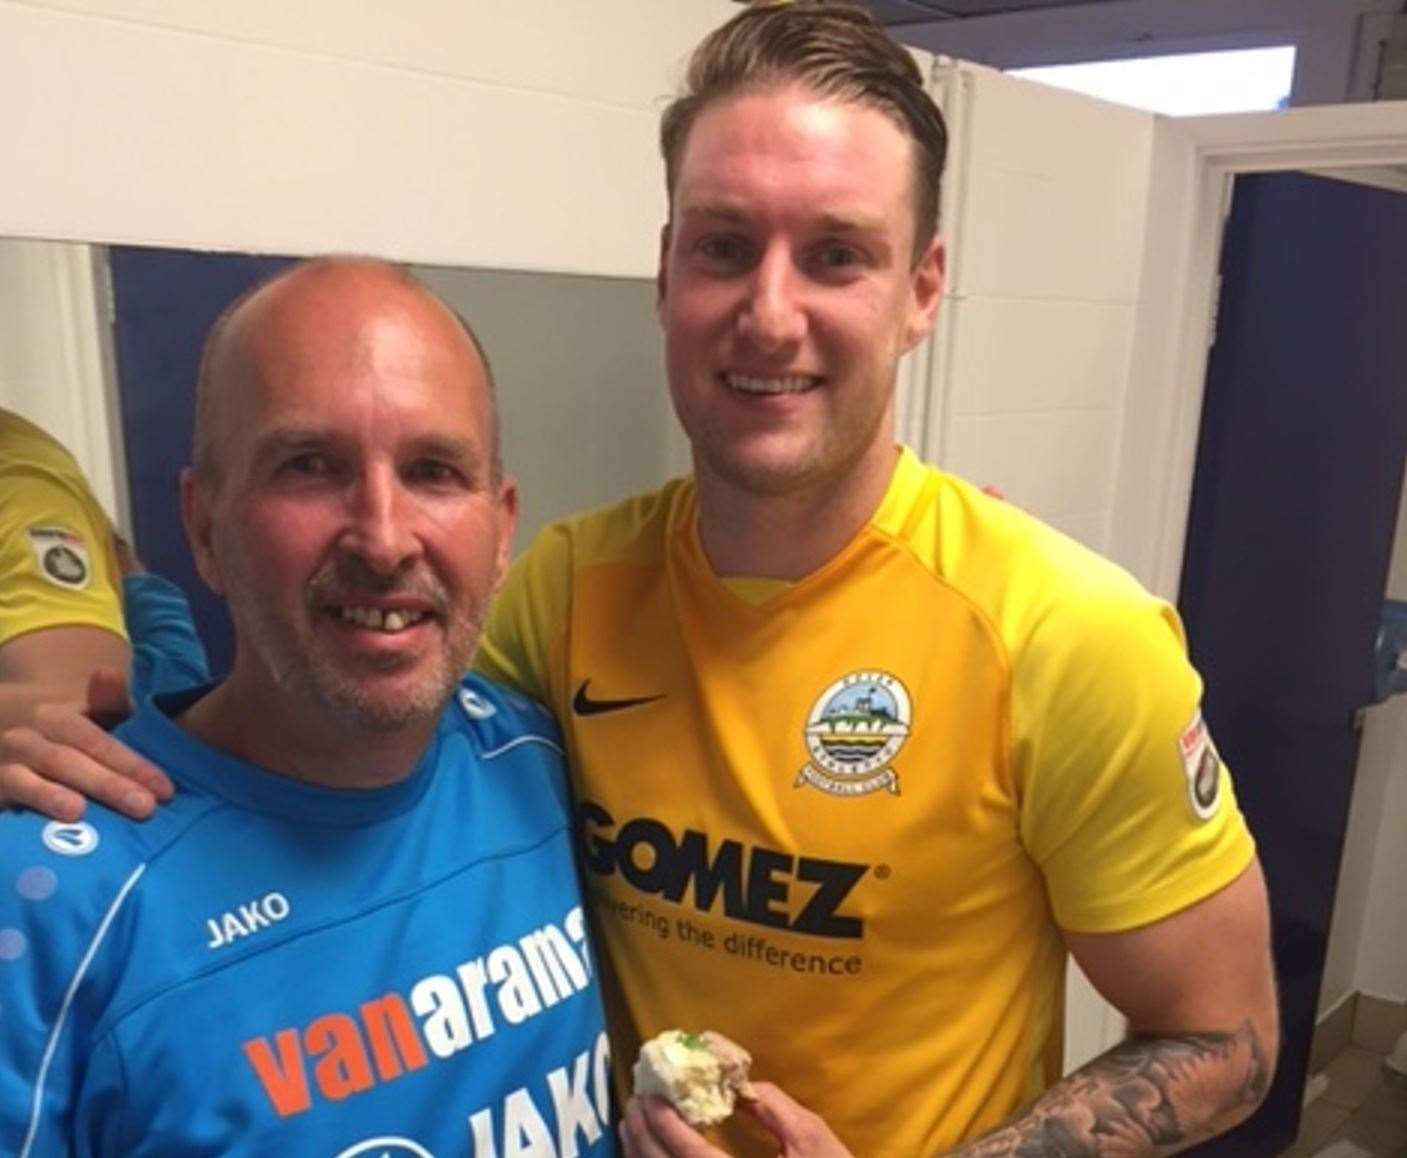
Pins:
x,y
1150,1095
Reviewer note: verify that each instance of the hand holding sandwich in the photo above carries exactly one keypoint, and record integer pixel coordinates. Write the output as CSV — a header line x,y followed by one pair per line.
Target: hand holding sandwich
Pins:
x,y
652,1128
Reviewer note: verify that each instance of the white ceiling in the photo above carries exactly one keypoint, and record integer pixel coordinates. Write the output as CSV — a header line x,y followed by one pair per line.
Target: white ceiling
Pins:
x,y
893,12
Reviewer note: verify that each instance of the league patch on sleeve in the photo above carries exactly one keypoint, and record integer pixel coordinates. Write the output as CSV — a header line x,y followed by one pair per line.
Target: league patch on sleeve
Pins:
x,y
62,557
1203,768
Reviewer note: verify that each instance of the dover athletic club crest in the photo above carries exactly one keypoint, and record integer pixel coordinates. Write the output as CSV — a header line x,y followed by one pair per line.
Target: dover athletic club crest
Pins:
x,y
61,555
856,727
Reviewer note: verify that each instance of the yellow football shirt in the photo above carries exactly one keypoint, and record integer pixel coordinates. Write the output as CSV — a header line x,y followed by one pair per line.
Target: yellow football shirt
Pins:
x,y
843,823
58,567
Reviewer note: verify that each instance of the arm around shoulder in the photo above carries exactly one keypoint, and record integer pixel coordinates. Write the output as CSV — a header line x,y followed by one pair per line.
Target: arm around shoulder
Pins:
x,y
53,665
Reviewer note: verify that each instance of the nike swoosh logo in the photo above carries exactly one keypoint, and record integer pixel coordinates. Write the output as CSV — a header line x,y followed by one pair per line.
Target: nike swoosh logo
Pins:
x,y
584,705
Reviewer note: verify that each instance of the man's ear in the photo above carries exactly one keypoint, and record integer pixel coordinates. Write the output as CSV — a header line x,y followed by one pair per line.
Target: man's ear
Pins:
x,y
926,288
661,277
507,525
196,516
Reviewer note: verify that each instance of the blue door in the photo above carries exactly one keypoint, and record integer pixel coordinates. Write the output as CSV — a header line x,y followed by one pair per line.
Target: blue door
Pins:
x,y
164,303
1298,476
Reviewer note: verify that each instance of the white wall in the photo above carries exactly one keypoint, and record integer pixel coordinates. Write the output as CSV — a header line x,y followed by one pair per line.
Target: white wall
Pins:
x,y
1368,941
585,419
1336,39
1046,242
448,132
52,357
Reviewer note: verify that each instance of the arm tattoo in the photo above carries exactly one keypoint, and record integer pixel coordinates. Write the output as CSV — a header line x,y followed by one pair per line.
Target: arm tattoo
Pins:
x,y
1148,1096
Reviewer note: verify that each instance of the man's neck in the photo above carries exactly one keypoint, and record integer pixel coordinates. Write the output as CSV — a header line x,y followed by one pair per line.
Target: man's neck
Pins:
x,y
787,536
277,733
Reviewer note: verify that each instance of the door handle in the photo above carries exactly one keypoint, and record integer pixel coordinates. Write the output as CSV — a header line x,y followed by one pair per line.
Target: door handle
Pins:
x,y
1390,653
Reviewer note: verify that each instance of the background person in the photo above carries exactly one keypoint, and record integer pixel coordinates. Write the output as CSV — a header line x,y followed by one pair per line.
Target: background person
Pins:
x,y
60,579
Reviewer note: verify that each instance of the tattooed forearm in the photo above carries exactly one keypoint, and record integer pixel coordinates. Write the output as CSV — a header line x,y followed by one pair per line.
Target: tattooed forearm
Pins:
x,y
1148,1096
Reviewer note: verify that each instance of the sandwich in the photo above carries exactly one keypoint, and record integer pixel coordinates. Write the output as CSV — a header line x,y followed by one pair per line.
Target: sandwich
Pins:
x,y
700,1074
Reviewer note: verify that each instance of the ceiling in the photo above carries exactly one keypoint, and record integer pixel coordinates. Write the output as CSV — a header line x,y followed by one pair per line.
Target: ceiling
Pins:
x,y
894,12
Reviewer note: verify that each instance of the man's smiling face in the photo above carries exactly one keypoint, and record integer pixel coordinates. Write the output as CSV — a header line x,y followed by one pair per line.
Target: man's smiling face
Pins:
x,y
788,288
358,526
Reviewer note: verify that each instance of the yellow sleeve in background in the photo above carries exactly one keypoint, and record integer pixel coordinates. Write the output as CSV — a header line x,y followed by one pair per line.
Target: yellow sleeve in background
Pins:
x,y
58,567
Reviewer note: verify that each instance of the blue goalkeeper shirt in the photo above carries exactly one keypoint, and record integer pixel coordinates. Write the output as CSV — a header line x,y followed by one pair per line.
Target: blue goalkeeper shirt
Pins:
x,y
267,967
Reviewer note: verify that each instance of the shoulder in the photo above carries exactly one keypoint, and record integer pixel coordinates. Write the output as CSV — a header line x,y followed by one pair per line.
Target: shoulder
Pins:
x,y
633,529
66,884
23,443
90,855
497,717
35,465
514,748
1036,585
535,601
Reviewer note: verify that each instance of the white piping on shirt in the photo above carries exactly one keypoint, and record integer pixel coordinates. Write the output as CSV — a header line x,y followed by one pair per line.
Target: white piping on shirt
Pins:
x,y
543,740
73,985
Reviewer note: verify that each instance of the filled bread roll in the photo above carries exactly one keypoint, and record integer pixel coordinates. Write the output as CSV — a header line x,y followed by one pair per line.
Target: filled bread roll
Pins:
x,y
699,1073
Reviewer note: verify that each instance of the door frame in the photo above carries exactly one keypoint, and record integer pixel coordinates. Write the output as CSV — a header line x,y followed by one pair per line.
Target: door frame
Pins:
x,y
1195,163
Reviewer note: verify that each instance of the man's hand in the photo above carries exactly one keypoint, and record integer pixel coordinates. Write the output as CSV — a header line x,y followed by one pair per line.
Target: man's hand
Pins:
x,y
64,755
652,1128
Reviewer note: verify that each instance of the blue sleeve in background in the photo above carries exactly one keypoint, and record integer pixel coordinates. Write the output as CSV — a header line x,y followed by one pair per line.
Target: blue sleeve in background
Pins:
x,y
167,655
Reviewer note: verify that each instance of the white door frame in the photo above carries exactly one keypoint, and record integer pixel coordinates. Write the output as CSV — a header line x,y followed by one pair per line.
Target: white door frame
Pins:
x,y
1195,162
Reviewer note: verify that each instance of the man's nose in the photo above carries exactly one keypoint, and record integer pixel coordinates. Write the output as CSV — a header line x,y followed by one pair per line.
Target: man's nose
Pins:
x,y
380,528
773,317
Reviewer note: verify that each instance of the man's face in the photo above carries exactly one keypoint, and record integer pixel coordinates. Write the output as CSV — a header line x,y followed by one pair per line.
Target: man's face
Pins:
x,y
356,532
788,289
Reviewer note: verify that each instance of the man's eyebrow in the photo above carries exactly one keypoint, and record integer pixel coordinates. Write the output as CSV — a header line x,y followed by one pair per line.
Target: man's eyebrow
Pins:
x,y
728,211
852,222
294,439
291,439
731,212
444,446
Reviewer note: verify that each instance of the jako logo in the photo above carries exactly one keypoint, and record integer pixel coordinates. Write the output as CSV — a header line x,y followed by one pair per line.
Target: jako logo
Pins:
x,y
757,884
246,920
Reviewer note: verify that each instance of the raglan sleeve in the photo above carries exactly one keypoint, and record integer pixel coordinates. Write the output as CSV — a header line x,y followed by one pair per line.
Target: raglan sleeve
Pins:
x,y
528,615
1126,806
54,979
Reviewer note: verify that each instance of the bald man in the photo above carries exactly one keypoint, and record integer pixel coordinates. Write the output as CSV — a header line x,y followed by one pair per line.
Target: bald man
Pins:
x,y
357,927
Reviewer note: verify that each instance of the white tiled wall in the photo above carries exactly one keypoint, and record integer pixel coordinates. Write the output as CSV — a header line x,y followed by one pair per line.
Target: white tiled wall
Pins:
x,y
617,52
448,132
1070,353
442,132
1046,257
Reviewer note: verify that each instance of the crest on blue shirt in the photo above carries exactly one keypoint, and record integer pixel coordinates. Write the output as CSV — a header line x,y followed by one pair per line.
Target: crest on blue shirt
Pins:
x,y
855,729
76,839
386,1148
474,705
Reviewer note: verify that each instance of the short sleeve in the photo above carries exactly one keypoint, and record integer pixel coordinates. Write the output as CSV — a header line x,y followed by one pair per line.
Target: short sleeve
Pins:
x,y
1125,804
57,567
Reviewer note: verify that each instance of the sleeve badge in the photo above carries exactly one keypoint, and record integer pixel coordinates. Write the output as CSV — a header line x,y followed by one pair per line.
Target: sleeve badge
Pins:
x,y
62,557
1202,766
